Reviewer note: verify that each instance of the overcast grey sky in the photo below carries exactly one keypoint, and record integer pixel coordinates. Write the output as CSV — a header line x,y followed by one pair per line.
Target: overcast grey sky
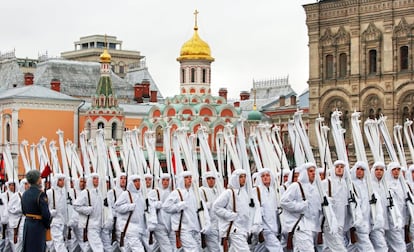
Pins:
x,y
249,39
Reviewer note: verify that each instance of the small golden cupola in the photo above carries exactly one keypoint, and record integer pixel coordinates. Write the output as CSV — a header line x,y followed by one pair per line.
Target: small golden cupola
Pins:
x,y
105,56
195,48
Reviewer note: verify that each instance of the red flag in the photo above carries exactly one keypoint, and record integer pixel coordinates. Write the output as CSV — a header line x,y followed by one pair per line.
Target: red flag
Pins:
x,y
46,171
173,163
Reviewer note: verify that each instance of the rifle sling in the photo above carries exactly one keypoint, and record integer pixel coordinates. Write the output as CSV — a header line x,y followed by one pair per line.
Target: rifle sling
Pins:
x,y
87,219
258,195
301,215
181,214
130,213
158,194
205,195
329,188
53,195
234,210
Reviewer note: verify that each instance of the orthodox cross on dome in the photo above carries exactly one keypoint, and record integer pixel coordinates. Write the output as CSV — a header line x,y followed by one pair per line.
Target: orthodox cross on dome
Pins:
x,y
195,18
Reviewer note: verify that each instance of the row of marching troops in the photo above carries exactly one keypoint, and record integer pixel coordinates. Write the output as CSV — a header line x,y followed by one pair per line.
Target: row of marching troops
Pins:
x,y
343,207
291,217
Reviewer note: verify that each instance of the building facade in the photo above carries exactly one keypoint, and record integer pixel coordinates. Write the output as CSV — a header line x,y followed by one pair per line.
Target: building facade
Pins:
x,y
195,106
360,58
89,48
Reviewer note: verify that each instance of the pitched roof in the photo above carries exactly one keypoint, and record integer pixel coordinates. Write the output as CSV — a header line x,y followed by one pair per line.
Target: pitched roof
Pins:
x,y
10,74
78,78
35,92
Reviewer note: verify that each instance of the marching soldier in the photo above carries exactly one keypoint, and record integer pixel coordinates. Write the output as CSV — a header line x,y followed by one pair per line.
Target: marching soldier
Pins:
x,y
59,211
265,198
209,193
358,174
232,207
338,194
130,209
182,205
5,199
377,235
395,235
160,223
16,217
302,206
35,208
112,196
89,205
78,186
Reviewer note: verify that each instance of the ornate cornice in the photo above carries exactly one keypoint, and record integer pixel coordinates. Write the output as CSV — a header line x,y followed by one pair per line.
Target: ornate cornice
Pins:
x,y
39,104
372,33
342,37
402,29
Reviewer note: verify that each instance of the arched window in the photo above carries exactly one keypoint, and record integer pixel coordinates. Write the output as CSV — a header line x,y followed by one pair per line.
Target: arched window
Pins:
x,y
159,136
204,75
121,69
183,75
405,114
8,132
113,134
342,65
192,74
403,58
101,125
329,66
372,61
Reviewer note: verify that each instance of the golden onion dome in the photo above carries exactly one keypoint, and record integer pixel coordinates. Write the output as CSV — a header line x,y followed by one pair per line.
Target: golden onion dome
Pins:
x,y
195,48
105,56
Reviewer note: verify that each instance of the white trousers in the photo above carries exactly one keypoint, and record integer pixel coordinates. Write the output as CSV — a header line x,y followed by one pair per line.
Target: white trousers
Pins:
x,y
238,242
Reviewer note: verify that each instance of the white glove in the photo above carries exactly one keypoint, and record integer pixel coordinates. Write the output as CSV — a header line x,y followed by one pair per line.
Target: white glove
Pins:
x,y
255,229
72,223
158,205
152,226
206,229
233,216
304,205
88,210
181,205
53,212
109,224
131,207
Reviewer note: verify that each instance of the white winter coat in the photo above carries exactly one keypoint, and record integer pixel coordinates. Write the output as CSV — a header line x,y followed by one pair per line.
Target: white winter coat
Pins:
x,y
293,205
57,201
95,210
223,207
190,219
124,207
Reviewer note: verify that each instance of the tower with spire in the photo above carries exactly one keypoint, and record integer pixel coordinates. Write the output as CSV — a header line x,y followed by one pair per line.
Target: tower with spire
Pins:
x,y
194,106
105,112
195,65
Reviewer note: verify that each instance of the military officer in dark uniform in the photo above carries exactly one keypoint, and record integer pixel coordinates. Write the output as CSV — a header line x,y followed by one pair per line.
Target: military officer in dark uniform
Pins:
x,y
35,208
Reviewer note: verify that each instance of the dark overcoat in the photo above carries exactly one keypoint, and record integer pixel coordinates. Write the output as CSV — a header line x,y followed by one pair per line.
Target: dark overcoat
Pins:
x,y
34,202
